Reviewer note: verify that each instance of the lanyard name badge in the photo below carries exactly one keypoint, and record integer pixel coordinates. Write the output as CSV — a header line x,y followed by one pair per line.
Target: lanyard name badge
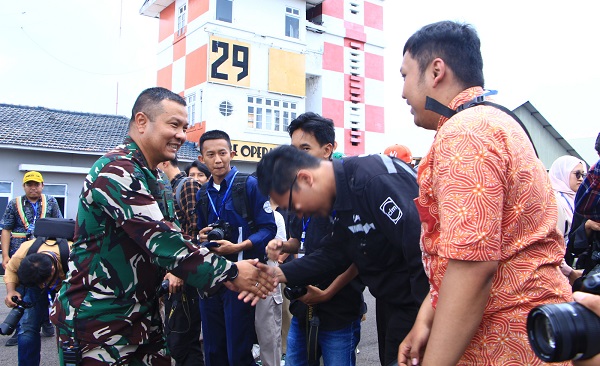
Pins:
x,y
302,250
34,206
212,204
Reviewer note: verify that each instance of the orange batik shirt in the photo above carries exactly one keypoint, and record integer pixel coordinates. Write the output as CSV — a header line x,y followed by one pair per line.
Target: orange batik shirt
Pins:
x,y
484,196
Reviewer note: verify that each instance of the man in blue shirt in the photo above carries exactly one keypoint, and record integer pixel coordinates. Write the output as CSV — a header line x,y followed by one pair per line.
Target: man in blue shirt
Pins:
x,y
228,323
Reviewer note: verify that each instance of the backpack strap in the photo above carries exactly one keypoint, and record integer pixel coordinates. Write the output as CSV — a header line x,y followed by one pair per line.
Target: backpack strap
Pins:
x,y
239,197
202,203
36,245
178,191
63,250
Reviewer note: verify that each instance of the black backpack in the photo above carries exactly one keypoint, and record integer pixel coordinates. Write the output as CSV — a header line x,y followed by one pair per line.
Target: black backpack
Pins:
x,y
238,196
57,229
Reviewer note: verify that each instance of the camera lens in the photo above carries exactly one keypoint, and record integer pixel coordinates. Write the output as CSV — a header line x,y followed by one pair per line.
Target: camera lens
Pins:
x,y
560,332
216,234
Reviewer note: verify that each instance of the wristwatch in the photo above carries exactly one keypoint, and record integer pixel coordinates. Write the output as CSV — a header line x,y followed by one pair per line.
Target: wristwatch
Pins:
x,y
232,272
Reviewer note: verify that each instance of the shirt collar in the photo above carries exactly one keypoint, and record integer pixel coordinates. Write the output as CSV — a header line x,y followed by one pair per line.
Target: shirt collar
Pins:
x,y
226,180
461,98
342,191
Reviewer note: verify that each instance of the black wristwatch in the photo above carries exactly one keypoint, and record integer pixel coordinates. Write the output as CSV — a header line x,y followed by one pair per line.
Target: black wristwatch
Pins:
x,y
232,272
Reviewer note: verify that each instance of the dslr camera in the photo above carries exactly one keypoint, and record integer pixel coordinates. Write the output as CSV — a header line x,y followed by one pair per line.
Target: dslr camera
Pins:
x,y
12,319
221,230
568,331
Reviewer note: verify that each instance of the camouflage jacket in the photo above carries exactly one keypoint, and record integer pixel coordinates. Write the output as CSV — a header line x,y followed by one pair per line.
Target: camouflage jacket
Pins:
x,y
124,240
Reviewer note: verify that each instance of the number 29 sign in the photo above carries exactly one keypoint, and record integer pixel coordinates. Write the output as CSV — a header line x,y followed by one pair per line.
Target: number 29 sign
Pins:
x,y
229,61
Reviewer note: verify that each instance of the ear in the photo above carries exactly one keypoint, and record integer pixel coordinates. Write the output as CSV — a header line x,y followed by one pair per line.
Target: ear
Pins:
x,y
328,151
233,153
140,122
201,158
438,69
305,176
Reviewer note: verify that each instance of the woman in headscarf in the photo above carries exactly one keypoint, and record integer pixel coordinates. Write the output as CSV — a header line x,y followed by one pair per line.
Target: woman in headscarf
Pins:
x,y
566,175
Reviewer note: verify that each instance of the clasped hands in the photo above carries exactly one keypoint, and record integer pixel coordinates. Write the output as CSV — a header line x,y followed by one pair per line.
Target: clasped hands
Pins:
x,y
255,281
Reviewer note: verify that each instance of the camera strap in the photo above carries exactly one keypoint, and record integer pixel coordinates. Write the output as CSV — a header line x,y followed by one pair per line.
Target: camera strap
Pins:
x,y
312,335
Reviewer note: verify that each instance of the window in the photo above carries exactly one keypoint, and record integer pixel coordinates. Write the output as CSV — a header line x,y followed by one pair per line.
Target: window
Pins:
x,y
191,108
226,108
270,114
58,191
224,10
292,22
181,19
5,196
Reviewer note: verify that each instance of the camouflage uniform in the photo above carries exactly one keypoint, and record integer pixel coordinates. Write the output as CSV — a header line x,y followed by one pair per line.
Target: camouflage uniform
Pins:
x,y
124,239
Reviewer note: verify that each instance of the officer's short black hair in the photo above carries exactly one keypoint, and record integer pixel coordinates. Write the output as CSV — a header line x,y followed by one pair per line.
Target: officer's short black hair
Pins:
x,y
320,127
35,269
214,135
456,43
149,100
277,169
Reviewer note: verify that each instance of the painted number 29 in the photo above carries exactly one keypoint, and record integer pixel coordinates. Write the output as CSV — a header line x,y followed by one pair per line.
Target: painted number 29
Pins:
x,y
239,56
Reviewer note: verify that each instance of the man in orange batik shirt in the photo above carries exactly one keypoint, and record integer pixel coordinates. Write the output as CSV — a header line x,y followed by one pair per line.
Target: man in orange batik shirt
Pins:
x,y
491,249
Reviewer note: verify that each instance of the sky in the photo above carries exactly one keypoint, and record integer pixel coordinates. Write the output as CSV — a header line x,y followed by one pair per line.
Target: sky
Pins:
x,y
96,56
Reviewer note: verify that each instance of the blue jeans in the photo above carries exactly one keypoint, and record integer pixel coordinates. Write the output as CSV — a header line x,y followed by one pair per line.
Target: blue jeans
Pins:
x,y
29,327
337,347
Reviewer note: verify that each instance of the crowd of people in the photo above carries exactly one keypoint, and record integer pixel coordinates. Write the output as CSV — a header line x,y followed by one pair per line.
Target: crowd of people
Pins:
x,y
191,264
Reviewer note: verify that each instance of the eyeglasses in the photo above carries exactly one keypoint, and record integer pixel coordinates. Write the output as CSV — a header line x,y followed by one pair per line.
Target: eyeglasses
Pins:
x,y
579,174
289,208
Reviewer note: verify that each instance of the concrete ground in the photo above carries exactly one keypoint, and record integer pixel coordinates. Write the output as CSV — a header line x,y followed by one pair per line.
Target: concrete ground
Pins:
x,y
368,355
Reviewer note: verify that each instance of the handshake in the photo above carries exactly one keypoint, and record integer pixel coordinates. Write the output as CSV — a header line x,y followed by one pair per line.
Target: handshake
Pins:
x,y
254,280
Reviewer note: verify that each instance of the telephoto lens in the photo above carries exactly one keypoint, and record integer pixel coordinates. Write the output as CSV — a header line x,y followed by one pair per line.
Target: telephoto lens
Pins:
x,y
568,331
13,317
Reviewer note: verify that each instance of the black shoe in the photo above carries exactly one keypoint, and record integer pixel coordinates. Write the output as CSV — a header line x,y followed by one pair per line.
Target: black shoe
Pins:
x,y
47,330
12,341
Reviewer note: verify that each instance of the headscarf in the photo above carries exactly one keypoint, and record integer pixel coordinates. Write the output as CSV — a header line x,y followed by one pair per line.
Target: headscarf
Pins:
x,y
560,173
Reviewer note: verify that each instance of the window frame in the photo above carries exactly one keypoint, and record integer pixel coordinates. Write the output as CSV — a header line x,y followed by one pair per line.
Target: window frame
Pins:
x,y
269,114
292,14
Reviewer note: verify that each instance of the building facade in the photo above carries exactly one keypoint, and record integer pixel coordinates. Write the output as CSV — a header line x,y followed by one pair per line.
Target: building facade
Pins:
x,y
250,67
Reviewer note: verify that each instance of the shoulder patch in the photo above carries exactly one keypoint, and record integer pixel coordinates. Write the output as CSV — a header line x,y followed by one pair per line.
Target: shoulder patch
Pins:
x,y
267,207
391,210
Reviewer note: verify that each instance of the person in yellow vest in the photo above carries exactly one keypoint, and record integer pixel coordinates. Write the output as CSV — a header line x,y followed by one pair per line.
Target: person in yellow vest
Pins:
x,y
18,224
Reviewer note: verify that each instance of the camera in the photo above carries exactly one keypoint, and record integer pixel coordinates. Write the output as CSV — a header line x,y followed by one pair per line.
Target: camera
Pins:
x,y
163,289
220,230
294,292
568,331
12,319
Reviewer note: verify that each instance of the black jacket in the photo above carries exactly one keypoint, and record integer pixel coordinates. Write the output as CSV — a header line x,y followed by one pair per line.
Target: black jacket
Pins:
x,y
345,306
376,225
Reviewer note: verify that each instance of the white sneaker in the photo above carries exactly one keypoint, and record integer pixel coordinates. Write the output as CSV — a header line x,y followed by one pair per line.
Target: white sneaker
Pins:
x,y
255,351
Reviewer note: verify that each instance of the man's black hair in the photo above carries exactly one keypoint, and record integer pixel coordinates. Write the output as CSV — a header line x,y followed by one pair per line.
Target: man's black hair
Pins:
x,y
278,168
35,269
214,135
597,146
149,100
322,128
456,43
198,165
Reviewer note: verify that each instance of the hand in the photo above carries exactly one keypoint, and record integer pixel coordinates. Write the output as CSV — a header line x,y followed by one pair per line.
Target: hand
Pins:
x,y
274,249
591,302
8,299
202,237
225,247
314,296
591,226
253,282
412,348
175,283
5,260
